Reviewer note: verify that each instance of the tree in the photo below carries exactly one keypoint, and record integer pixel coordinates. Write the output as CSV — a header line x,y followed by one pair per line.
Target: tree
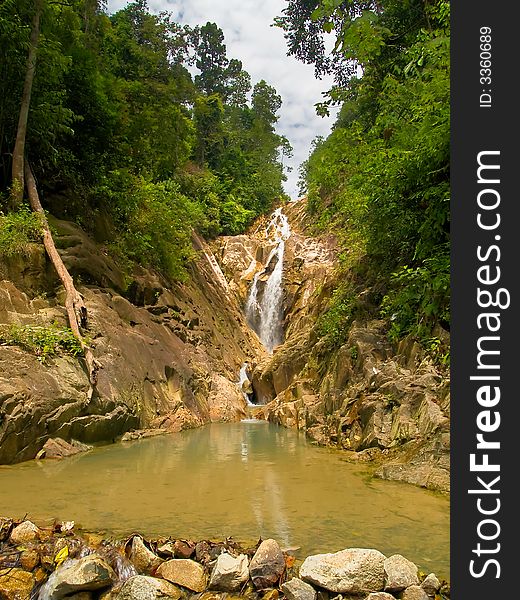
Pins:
x,y
211,60
21,132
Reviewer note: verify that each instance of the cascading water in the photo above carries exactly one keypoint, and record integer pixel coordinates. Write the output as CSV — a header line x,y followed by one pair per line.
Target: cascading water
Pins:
x,y
244,383
265,314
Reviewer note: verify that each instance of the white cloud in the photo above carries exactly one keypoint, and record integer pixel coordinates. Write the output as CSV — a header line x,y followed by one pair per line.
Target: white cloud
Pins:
x,y
250,37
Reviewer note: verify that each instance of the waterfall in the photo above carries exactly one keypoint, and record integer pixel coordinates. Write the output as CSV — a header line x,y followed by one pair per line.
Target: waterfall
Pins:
x,y
264,306
244,383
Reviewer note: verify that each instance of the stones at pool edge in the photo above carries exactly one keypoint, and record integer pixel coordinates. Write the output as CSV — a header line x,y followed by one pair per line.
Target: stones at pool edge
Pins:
x,y
16,584
400,573
229,573
24,533
267,565
143,559
414,592
142,587
353,570
90,573
184,572
296,589
431,584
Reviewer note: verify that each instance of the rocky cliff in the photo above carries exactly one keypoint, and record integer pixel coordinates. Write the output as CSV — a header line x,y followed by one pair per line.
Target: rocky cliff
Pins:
x,y
169,353
386,405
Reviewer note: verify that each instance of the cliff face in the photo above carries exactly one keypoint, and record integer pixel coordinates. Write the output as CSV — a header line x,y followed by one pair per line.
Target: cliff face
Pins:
x,y
382,404
169,354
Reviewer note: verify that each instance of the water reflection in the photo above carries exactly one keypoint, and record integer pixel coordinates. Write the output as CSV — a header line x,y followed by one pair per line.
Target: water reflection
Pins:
x,y
247,480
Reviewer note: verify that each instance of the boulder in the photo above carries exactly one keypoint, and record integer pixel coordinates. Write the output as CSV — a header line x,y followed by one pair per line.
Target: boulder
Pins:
x,y
141,587
296,589
353,570
431,585
267,565
16,584
229,573
59,448
414,592
400,573
184,572
380,596
143,559
24,533
89,573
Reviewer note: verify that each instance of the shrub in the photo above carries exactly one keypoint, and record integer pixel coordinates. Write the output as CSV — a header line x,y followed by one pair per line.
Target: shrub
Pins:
x,y
17,230
44,341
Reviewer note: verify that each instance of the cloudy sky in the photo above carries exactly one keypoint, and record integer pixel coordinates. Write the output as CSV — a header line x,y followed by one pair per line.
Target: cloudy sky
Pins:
x,y
262,49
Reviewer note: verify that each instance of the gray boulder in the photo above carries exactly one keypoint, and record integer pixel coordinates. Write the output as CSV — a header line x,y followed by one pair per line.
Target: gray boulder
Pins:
x,y
353,570
142,587
296,589
400,573
90,573
431,584
414,592
229,573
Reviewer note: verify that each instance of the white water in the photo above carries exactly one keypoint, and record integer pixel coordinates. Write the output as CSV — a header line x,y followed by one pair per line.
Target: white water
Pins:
x,y
265,315
243,378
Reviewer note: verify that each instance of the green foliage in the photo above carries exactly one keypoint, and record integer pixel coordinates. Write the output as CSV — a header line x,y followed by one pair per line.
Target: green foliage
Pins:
x,y
381,179
118,126
334,322
418,298
154,221
19,229
45,342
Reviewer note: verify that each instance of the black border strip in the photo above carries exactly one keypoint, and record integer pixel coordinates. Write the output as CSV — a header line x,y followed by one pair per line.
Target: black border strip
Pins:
x,y
485,119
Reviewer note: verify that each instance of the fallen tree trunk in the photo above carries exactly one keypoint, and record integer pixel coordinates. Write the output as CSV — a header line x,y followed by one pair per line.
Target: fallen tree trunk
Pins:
x,y
74,304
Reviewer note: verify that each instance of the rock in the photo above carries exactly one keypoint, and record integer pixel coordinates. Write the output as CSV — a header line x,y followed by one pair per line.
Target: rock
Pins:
x,y
29,560
184,572
16,584
400,573
24,533
141,587
296,589
229,573
414,592
182,549
202,552
431,585
353,570
380,596
58,448
267,565
166,549
271,595
143,559
89,573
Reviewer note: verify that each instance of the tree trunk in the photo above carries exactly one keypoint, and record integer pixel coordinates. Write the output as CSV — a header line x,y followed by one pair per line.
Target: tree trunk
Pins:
x,y
19,146
76,309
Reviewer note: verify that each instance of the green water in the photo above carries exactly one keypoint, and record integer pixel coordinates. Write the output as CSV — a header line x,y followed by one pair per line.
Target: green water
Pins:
x,y
244,480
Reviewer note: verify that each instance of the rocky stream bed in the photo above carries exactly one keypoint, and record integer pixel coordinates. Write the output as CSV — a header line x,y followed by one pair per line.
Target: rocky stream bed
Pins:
x,y
57,562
